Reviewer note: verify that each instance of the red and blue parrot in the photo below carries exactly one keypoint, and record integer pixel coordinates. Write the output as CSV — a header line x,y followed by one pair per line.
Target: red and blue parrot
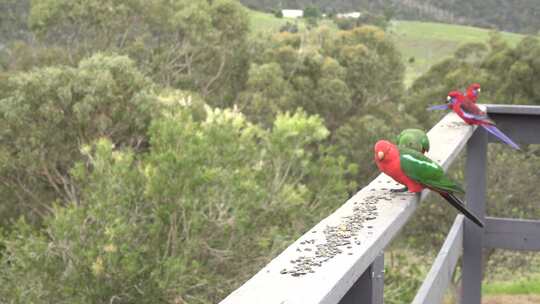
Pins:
x,y
473,115
472,93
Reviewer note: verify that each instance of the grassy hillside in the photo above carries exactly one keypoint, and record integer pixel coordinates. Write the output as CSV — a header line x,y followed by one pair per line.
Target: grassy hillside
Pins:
x,y
430,42
426,42
261,22
264,22
508,15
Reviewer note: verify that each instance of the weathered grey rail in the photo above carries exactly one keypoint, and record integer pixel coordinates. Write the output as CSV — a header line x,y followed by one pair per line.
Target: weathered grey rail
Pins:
x,y
440,275
344,252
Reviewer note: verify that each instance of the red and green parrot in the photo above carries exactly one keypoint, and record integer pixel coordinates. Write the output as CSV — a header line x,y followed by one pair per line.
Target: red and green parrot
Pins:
x,y
415,139
473,115
416,172
472,93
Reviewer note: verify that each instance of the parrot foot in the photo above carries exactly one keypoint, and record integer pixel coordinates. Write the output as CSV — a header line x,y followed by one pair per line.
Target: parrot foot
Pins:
x,y
400,190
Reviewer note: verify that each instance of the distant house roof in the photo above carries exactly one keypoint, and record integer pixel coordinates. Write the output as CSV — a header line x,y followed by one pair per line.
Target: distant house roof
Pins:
x,y
350,15
290,13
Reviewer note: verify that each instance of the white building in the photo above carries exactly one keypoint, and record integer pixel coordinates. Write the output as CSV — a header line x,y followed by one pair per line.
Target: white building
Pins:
x,y
350,15
290,13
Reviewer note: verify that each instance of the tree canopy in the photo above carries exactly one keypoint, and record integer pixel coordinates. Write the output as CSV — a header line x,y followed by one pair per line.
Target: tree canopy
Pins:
x,y
49,113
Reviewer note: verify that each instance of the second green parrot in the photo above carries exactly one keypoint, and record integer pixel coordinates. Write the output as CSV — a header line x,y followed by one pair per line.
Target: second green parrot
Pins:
x,y
415,139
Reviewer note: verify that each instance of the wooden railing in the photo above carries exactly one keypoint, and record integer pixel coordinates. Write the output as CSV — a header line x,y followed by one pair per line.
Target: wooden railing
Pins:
x,y
340,260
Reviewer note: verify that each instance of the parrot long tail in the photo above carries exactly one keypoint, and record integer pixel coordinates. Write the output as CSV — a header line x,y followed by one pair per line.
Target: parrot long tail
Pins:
x,y
500,135
459,205
438,107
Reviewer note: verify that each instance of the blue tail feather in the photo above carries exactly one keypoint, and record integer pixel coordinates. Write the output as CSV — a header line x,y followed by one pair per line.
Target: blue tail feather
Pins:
x,y
438,107
493,130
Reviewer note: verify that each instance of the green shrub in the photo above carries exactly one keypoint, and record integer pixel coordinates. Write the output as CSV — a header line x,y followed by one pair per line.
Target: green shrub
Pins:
x,y
46,115
187,221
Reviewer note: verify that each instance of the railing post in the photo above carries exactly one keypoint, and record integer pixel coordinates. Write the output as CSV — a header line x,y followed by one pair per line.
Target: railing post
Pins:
x,y
475,172
369,287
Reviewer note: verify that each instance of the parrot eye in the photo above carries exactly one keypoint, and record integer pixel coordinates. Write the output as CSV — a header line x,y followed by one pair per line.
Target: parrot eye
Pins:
x,y
380,155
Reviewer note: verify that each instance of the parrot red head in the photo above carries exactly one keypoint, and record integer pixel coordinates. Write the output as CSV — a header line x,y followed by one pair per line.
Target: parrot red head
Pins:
x,y
454,96
474,89
385,151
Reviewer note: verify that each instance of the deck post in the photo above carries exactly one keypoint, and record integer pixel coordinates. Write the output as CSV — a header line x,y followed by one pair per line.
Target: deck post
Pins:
x,y
369,287
475,172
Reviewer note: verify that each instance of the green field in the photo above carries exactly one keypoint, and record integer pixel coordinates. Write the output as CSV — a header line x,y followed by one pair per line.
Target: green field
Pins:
x,y
429,42
426,42
263,22
521,286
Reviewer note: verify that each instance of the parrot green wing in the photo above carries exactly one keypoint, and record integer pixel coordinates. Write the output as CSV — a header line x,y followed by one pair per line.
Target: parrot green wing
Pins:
x,y
425,142
415,139
425,171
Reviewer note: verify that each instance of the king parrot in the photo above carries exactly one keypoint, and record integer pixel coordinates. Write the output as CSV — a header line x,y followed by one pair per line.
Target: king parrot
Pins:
x,y
473,115
472,93
415,139
417,172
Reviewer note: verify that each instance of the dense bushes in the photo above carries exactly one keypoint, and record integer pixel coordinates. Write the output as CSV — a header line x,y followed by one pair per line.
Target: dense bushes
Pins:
x,y
49,113
178,222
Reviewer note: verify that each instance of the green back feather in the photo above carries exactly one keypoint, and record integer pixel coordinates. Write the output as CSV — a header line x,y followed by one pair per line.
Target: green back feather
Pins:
x,y
415,139
425,171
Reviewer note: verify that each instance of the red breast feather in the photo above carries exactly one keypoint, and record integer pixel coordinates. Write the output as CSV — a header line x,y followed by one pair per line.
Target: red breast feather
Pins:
x,y
390,165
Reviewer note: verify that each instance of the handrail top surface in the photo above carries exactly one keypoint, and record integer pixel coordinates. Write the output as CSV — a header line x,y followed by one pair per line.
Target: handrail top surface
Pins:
x,y
333,278
513,109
